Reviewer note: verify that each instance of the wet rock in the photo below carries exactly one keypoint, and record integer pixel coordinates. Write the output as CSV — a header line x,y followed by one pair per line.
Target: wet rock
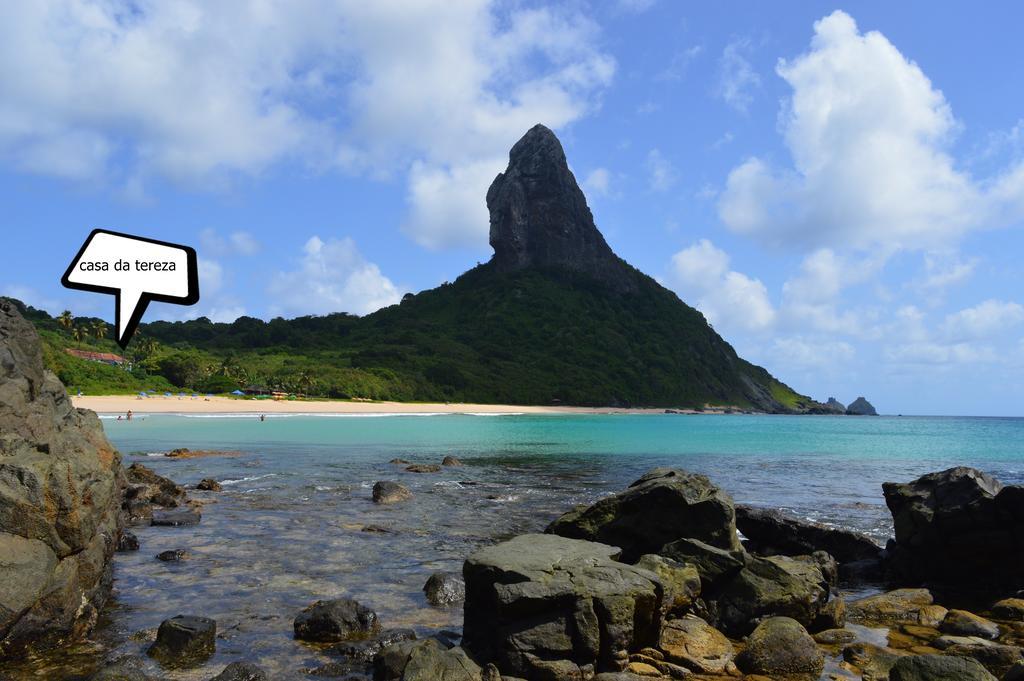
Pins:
x,y
831,637
173,555
780,645
960,528
399,461
376,529
693,643
1011,609
831,616
995,657
938,668
425,660
451,461
127,541
242,671
423,468
364,652
539,599
873,661
681,581
126,668
770,532
335,620
146,485
60,493
663,506
772,586
387,492
209,485
913,606
444,589
177,517
184,640
963,623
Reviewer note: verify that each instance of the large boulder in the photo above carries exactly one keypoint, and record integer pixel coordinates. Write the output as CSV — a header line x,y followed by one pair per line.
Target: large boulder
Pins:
x,y
537,603
769,531
425,660
960,528
661,507
938,668
772,586
60,494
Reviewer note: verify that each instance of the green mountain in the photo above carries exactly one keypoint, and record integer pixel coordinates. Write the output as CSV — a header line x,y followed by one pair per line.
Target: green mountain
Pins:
x,y
554,317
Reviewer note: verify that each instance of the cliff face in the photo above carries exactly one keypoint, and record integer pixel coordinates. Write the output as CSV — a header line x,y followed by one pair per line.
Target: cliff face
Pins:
x,y
60,488
540,217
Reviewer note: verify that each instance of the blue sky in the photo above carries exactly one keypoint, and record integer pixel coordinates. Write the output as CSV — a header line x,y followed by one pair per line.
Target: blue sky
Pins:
x,y
839,189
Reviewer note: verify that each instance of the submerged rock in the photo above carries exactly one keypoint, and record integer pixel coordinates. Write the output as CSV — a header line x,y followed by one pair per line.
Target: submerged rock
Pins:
x,y
336,620
184,640
60,496
423,468
242,671
126,668
177,517
664,505
388,492
209,485
444,589
541,600
938,668
779,645
959,528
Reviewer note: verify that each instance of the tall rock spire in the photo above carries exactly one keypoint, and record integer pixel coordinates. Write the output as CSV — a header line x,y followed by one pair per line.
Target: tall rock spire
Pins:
x,y
540,218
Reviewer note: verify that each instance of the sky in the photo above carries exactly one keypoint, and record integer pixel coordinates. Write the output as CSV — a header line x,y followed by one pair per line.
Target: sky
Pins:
x,y
839,189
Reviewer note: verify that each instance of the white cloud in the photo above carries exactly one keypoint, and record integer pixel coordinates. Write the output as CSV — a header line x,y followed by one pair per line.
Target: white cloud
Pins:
x,y
200,92
236,243
597,182
943,271
679,64
801,352
333,276
661,174
868,135
736,77
983,320
939,354
729,299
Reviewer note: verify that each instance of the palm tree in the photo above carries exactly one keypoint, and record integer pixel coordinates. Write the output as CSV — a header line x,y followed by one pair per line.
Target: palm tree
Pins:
x,y
79,332
66,319
99,329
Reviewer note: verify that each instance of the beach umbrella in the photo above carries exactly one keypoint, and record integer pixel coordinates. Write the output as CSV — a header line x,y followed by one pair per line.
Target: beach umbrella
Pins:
x,y
237,392
168,395
144,394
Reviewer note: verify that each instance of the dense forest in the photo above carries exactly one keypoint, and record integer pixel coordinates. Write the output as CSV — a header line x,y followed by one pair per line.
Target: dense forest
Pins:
x,y
527,337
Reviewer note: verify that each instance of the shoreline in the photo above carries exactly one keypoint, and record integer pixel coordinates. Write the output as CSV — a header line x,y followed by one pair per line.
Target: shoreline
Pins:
x,y
120,404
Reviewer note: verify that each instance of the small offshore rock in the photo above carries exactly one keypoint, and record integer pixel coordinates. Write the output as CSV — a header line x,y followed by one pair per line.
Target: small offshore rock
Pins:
x,y
178,517
127,541
173,555
184,640
445,588
938,668
963,623
423,468
780,645
451,461
376,529
336,620
209,485
388,492
242,671
125,668
400,461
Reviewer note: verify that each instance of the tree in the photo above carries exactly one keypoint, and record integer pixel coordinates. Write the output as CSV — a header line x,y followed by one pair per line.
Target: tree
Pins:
x,y
79,332
66,319
99,330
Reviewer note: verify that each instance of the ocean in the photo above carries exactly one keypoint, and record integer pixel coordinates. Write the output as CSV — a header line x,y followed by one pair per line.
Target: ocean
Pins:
x,y
289,526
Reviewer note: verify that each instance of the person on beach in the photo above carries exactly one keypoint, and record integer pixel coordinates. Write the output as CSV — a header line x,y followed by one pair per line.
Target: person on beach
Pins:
x,y
263,417
129,415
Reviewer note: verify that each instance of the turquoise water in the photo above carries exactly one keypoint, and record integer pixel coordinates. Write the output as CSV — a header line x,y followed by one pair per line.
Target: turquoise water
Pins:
x,y
290,526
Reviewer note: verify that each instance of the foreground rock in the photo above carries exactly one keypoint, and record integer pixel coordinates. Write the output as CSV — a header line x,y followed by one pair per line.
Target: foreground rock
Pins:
x,y
938,668
340,619
444,589
902,606
542,605
425,660
387,492
242,671
769,531
959,528
693,643
184,641
60,495
779,645
661,507
126,668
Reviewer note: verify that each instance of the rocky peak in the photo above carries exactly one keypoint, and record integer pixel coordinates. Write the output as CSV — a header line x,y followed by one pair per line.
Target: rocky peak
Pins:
x,y
861,407
540,217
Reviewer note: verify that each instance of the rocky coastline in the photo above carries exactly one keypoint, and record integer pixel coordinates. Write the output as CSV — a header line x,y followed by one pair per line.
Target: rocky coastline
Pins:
x,y
668,578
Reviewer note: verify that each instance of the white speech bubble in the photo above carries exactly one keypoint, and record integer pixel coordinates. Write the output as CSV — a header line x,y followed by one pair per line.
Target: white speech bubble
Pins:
x,y
136,270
